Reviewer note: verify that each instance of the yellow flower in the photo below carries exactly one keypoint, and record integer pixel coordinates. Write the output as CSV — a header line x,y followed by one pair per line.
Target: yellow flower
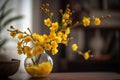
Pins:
x,y
54,26
19,44
19,51
47,46
64,37
74,47
60,34
29,55
41,39
63,20
39,50
34,51
65,42
54,44
97,21
36,43
20,36
35,36
13,34
66,16
46,38
58,39
86,21
28,39
47,22
65,25
54,51
27,49
86,55
19,47
67,31
52,35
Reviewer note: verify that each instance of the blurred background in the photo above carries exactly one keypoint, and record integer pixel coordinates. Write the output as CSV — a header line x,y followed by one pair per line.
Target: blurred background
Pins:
x,y
103,40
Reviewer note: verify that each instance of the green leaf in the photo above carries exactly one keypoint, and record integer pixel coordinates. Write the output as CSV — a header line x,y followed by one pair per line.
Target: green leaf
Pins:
x,y
4,5
9,21
2,42
5,14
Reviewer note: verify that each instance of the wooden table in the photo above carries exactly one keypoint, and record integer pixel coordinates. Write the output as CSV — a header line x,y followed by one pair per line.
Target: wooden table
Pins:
x,y
70,76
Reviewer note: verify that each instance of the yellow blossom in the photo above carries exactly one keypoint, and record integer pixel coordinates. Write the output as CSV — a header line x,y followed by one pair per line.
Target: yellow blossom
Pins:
x,y
66,16
46,38
29,55
54,44
74,47
97,21
47,22
65,25
64,37
41,39
86,55
60,34
54,51
52,35
19,51
67,31
28,39
19,47
35,36
65,42
63,20
19,44
47,46
34,51
13,34
39,50
36,43
20,36
58,39
27,49
54,26
86,21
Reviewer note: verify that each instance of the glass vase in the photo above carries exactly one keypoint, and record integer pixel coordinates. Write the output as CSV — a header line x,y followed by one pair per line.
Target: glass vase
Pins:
x,y
39,66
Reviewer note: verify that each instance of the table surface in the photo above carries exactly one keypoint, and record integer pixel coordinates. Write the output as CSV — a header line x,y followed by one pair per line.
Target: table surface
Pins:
x,y
70,76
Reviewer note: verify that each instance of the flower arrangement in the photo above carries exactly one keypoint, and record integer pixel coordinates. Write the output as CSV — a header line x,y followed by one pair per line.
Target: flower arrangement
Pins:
x,y
33,44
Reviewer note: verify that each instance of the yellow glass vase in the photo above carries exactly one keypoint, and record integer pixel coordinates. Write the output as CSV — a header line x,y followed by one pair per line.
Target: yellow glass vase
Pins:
x,y
39,66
